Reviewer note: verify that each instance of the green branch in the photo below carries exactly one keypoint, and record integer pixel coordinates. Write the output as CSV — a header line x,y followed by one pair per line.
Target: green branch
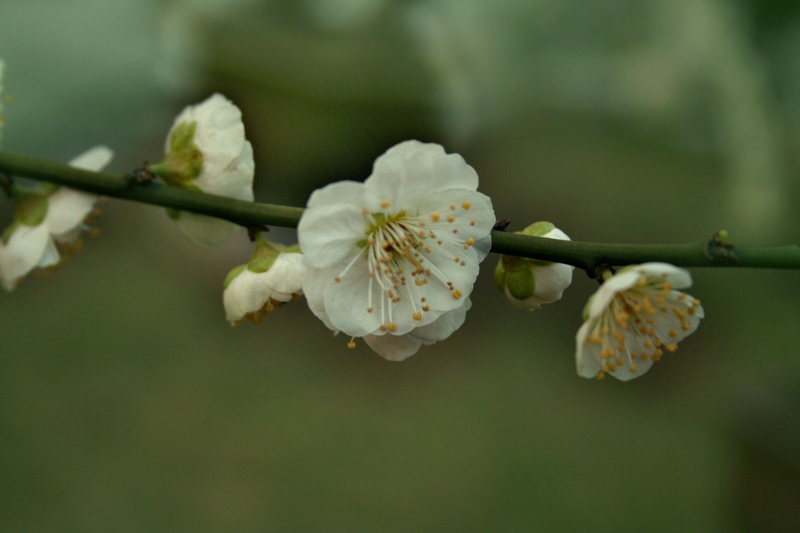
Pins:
x,y
584,255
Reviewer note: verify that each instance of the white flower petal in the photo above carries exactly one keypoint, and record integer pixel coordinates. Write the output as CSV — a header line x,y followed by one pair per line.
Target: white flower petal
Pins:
x,y
411,170
474,222
394,347
286,275
235,180
609,289
94,159
444,326
28,248
347,303
66,211
314,283
206,231
679,277
247,293
332,224
587,355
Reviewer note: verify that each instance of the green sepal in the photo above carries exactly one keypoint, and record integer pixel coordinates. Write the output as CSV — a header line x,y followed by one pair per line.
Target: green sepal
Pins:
x,y
293,249
184,161
173,213
585,313
500,276
31,209
262,264
520,283
538,229
233,273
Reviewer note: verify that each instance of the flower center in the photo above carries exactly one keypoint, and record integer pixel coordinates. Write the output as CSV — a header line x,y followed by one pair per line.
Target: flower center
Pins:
x,y
399,249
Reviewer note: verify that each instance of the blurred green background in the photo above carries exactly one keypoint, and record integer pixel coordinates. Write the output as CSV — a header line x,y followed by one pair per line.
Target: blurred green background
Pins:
x,y
128,403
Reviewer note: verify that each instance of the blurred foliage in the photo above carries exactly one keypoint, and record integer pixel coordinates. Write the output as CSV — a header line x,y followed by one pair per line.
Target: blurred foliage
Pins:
x,y
127,403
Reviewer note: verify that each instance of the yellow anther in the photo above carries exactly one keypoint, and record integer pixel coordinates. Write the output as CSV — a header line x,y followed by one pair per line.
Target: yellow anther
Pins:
x,y
673,333
457,294
435,216
604,367
392,326
633,367
451,218
607,353
417,316
426,308
671,347
644,356
600,376
612,367
597,339
453,208
471,222
383,327
465,204
691,311
385,204
337,279
470,241
620,361
351,344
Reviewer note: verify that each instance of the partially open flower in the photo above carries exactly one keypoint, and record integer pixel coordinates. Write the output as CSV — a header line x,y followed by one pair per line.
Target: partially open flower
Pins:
x,y
395,253
272,277
633,318
206,150
48,222
529,283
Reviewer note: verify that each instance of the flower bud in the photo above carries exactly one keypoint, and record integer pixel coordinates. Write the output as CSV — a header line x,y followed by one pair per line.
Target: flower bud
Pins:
x,y
206,151
529,283
272,277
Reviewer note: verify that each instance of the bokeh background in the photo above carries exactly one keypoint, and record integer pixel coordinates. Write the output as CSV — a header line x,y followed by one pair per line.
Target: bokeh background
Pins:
x,y
128,403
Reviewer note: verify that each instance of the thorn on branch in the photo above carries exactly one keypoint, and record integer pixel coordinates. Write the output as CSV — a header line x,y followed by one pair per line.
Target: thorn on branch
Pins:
x,y
501,225
253,231
143,175
600,272
719,248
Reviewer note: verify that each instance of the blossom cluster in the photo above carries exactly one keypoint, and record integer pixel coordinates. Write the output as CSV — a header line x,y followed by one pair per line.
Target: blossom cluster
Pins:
x,y
391,260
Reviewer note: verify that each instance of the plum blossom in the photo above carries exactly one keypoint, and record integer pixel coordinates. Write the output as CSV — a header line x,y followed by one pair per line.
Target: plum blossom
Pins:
x,y
48,222
633,318
398,252
206,150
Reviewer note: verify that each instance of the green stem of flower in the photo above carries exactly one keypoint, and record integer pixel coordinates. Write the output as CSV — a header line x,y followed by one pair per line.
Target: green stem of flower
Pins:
x,y
716,252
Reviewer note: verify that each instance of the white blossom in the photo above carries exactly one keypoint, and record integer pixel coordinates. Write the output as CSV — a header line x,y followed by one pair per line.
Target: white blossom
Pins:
x,y
48,223
529,283
260,286
397,252
633,318
206,149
